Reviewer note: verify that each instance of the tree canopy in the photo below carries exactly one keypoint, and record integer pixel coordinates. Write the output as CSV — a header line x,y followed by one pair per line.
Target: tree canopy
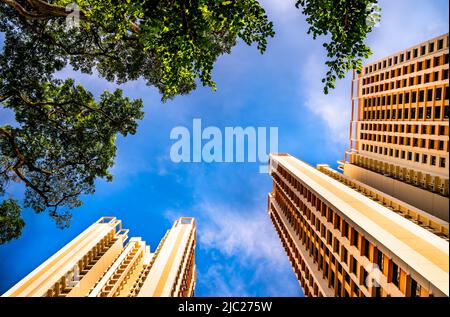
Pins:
x,y
347,23
63,137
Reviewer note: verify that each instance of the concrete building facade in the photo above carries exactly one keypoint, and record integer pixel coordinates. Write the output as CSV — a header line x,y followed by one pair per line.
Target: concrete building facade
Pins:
x,y
347,239
103,262
399,130
380,228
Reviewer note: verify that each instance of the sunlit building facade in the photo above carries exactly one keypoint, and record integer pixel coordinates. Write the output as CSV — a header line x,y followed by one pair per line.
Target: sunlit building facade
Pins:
x,y
399,133
104,262
347,239
380,228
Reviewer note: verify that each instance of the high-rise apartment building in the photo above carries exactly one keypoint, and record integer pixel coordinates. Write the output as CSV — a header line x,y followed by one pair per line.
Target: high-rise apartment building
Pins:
x,y
381,227
345,238
399,134
103,262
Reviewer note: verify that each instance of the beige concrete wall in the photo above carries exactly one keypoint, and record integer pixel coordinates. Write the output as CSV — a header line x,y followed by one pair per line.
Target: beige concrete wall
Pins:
x,y
88,281
435,204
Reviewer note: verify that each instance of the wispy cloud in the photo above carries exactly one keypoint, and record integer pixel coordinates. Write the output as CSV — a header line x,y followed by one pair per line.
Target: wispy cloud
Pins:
x,y
332,109
243,250
236,232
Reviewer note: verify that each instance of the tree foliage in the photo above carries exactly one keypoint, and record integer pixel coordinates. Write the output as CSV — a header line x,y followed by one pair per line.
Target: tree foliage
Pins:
x,y
63,137
346,23
10,220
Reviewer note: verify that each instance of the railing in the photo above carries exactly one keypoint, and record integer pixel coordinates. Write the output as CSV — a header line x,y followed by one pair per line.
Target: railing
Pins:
x,y
407,211
141,279
69,280
189,247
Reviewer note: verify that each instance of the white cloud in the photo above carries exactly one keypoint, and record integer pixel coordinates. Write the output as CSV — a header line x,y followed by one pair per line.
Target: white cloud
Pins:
x,y
332,109
243,249
407,23
239,233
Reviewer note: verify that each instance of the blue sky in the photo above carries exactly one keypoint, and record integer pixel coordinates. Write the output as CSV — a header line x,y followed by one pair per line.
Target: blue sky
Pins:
x,y
238,252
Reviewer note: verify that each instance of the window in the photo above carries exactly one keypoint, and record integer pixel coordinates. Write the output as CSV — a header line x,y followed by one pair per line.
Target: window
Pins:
x,y
395,274
436,61
336,245
424,159
417,157
420,116
440,44
378,291
446,112
353,265
415,289
380,260
437,113
436,76
424,129
419,66
414,97
421,96
438,94
428,112
442,162
431,48
433,160
355,237
366,248
345,230
344,255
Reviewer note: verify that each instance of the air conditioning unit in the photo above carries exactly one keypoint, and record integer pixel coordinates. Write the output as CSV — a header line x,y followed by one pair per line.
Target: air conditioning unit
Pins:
x,y
423,182
441,189
431,187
